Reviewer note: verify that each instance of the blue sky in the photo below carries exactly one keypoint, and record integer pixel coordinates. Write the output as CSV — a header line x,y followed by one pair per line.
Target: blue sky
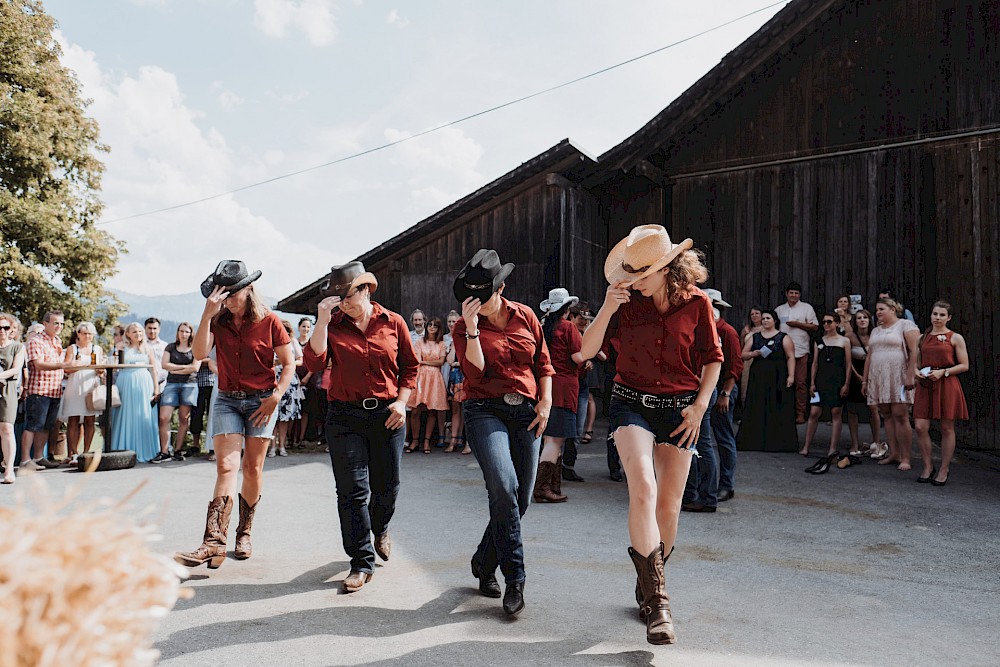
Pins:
x,y
197,97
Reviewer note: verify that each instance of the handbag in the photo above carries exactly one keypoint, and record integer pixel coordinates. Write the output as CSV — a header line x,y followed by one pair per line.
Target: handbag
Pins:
x,y
97,399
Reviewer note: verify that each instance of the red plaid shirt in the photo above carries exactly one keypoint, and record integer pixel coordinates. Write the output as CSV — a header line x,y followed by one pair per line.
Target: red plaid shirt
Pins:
x,y
44,383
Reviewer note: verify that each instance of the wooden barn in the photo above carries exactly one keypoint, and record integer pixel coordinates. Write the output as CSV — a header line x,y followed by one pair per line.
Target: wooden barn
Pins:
x,y
848,145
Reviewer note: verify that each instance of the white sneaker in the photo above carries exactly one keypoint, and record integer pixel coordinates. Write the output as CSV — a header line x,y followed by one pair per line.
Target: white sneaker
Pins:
x,y
282,452
270,453
31,465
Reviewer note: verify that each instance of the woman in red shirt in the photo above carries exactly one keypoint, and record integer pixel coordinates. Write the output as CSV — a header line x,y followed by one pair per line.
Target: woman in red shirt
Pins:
x,y
373,369
563,339
508,388
664,330
247,338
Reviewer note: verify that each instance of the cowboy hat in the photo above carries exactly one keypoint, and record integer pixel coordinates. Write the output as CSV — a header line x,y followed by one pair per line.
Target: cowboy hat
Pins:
x,y
716,297
230,274
644,251
481,277
558,298
346,277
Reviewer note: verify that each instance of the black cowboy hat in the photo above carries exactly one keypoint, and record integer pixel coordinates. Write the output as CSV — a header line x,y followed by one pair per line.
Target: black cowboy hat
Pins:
x,y
230,274
346,277
481,277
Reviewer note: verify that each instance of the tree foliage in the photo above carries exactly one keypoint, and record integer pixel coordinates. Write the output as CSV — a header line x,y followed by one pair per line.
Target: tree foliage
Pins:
x,y
51,254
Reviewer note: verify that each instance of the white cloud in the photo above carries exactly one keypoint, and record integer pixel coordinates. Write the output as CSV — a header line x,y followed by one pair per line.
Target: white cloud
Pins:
x,y
160,157
287,98
229,100
279,18
395,19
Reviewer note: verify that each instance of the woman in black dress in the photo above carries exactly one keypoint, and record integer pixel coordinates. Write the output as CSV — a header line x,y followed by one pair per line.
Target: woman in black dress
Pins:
x,y
831,377
769,414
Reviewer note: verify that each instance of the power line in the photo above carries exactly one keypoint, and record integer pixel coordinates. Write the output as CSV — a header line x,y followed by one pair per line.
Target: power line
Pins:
x,y
463,119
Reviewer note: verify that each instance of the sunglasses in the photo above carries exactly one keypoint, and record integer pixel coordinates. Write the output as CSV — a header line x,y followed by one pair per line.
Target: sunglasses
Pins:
x,y
433,326
828,321
631,269
6,327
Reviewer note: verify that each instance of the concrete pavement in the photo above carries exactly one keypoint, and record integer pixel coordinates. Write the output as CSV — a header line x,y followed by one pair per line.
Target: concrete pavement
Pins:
x,y
856,567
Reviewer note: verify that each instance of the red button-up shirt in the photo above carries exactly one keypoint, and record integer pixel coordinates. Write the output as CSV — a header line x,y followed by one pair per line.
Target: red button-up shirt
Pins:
x,y
375,363
245,356
515,356
664,354
732,365
566,341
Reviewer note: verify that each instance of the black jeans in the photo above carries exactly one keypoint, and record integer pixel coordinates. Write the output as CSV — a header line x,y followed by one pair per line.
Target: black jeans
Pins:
x,y
200,411
366,458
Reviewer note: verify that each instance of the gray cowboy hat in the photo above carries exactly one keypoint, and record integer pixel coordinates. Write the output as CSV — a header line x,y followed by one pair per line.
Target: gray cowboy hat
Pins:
x,y
558,298
230,274
481,277
346,277
716,297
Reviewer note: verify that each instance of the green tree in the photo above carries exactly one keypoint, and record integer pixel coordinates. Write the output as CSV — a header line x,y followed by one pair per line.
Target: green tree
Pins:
x,y
51,254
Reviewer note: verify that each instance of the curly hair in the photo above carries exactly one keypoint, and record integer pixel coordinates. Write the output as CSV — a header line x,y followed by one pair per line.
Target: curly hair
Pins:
x,y
683,274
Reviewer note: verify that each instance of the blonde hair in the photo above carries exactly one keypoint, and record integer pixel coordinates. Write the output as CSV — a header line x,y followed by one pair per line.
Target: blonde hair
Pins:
x,y
684,274
892,303
256,310
142,347
15,324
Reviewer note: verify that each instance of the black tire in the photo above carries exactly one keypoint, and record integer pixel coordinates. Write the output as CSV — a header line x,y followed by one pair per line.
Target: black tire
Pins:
x,y
120,460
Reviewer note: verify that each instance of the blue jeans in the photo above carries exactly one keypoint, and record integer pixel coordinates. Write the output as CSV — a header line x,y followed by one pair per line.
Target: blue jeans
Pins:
x,y
366,458
725,438
703,478
507,452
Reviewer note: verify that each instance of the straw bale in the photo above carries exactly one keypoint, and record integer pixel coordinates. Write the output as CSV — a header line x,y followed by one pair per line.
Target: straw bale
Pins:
x,y
80,584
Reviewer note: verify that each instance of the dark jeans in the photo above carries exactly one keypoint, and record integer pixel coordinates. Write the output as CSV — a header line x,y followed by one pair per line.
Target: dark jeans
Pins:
x,y
703,478
366,458
508,455
725,438
200,410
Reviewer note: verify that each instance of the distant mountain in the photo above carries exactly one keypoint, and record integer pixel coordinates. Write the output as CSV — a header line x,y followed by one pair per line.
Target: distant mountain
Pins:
x,y
171,309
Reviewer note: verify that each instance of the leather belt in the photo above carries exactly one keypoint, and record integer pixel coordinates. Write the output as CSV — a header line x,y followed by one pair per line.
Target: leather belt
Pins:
x,y
653,401
243,395
370,403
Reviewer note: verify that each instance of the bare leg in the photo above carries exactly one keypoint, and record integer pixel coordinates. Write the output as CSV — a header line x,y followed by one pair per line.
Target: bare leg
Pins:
x,y
947,448
183,421
227,463
875,422
591,413
88,432
814,415
166,412
904,434
885,412
551,449
924,444
442,417
635,447
852,426
836,415
672,464
7,446
253,468
73,436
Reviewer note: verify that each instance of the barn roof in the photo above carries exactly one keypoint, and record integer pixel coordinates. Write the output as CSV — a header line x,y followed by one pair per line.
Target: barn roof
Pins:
x,y
562,156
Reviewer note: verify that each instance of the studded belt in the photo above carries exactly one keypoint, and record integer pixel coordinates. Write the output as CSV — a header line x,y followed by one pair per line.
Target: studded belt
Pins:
x,y
653,401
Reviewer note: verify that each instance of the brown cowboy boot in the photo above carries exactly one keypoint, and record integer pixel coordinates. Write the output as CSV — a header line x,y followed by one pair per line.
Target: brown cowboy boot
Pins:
x,y
638,588
244,549
655,601
543,484
555,481
213,546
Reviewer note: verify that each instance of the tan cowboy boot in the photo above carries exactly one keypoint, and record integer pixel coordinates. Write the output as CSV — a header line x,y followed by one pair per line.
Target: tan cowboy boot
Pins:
x,y
243,548
213,546
655,601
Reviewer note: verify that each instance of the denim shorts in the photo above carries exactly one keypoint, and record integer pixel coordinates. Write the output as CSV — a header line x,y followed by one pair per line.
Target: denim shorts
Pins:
x,y
180,393
40,413
232,415
659,421
561,424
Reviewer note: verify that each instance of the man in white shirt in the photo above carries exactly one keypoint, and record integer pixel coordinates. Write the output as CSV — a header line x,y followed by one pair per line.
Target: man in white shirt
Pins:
x,y
158,346
417,321
798,320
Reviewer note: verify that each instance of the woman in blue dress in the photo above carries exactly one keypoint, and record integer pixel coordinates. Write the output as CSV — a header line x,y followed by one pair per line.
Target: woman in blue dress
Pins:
x,y
135,422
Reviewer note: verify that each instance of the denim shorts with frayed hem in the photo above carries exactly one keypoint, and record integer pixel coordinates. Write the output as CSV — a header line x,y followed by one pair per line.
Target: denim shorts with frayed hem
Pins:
x,y
179,393
661,422
232,415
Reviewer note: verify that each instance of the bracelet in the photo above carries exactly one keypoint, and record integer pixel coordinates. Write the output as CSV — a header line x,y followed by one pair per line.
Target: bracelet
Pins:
x,y
469,336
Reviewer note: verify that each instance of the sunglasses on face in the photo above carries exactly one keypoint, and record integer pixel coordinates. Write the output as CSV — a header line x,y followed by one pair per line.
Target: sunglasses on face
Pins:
x,y
432,326
827,321
5,327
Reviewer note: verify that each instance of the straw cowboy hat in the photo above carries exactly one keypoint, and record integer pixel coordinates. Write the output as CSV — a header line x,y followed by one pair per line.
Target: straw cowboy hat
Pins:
x,y
346,277
646,250
230,274
481,277
558,298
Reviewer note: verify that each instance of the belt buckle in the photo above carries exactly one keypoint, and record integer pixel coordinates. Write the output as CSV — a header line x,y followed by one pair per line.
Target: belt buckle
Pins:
x,y
513,398
238,395
650,404
374,403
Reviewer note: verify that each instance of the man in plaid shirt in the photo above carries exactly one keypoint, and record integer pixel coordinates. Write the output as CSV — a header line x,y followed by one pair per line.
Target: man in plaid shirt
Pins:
x,y
43,389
